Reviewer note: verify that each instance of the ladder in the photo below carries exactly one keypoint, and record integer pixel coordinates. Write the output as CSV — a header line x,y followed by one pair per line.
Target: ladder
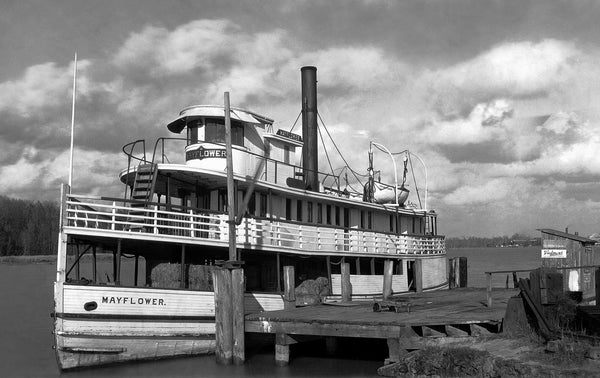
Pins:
x,y
143,186
143,190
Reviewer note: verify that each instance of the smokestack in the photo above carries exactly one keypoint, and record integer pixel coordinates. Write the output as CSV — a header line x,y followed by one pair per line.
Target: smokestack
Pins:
x,y
310,160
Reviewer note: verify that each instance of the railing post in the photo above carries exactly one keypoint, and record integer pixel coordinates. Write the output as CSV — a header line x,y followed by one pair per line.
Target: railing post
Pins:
x,y
489,289
300,235
319,238
155,219
113,211
192,225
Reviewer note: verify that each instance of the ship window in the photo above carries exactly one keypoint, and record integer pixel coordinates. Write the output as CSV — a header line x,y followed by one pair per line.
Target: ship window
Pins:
x,y
319,213
192,130
288,209
299,210
399,267
252,205
337,215
309,212
391,223
362,219
369,220
215,132
263,205
222,200
328,214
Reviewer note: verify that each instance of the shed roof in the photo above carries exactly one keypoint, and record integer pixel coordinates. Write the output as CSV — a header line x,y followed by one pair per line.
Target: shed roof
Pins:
x,y
566,235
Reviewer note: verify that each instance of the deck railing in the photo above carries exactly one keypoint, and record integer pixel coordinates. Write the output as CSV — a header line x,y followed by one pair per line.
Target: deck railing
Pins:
x,y
105,215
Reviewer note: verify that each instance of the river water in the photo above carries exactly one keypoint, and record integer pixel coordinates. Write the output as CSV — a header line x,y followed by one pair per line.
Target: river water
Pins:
x,y
26,300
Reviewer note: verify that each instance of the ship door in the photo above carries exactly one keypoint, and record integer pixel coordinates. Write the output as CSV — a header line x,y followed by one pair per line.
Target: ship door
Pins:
x,y
410,273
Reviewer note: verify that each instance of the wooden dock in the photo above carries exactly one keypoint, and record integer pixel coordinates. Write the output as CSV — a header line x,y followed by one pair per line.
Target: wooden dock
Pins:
x,y
423,319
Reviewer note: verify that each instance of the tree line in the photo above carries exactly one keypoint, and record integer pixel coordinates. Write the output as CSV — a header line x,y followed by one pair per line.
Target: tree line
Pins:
x,y
516,240
28,227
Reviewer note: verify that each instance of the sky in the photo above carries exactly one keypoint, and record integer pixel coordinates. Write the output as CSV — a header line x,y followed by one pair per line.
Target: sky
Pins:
x,y
497,98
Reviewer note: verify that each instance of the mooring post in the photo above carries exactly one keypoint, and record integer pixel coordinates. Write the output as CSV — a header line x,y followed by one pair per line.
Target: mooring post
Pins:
x,y
388,271
346,284
418,269
289,285
237,296
597,285
452,273
489,288
282,347
223,316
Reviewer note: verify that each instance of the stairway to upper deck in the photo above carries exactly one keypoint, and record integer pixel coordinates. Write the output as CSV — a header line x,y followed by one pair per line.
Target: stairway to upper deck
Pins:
x,y
143,189
143,186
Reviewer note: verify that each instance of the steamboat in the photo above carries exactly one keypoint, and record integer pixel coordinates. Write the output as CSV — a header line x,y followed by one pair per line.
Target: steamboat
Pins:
x,y
133,277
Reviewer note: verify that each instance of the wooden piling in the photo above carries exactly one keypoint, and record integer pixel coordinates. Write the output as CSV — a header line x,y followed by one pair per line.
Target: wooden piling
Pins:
x,y
457,276
282,347
223,316
289,285
418,269
346,285
489,289
597,285
388,271
282,350
237,298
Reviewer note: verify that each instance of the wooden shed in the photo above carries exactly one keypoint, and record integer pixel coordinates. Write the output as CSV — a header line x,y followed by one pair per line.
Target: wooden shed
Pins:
x,y
563,250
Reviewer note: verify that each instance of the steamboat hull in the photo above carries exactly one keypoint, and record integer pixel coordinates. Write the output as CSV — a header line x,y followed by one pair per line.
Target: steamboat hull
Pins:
x,y
98,325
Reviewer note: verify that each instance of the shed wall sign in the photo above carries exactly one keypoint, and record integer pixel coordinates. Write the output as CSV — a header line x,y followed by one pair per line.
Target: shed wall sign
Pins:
x,y
548,253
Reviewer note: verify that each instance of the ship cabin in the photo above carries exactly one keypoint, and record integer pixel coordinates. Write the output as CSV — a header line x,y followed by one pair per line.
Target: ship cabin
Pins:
x,y
174,214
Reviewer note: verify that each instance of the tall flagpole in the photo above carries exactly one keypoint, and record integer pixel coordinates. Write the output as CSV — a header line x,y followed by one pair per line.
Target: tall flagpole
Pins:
x,y
72,123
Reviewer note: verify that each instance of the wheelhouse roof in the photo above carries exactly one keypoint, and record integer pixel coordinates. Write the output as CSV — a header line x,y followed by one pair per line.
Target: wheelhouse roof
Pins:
x,y
177,125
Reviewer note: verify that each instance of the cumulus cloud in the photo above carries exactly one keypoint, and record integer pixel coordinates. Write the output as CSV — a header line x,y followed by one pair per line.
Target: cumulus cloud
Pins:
x,y
512,70
466,120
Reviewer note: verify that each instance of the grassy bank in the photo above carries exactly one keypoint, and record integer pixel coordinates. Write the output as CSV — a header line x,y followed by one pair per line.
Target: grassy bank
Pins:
x,y
39,259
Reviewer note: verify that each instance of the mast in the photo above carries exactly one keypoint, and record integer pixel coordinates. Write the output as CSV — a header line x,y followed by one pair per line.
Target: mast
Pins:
x,y
72,123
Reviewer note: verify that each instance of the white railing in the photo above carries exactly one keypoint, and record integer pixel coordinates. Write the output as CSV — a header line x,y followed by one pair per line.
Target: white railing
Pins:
x,y
93,213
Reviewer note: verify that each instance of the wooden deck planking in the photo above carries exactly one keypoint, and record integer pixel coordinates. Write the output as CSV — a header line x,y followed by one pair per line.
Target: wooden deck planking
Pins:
x,y
432,309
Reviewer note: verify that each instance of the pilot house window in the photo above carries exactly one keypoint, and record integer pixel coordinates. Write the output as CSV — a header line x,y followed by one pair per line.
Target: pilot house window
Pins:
x,y
215,132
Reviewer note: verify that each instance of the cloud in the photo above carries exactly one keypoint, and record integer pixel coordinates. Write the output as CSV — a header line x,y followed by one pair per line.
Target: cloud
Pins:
x,y
38,173
511,70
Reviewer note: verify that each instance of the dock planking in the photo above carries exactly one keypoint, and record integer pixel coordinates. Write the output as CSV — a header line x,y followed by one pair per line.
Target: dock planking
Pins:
x,y
445,313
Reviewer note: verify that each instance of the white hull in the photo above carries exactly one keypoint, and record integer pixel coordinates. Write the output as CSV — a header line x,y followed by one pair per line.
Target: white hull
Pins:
x,y
127,324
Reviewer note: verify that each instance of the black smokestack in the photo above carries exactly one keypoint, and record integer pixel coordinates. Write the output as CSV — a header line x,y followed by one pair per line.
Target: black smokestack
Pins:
x,y
310,160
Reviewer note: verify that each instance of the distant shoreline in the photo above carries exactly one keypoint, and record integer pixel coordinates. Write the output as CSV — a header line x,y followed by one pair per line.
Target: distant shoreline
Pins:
x,y
36,259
